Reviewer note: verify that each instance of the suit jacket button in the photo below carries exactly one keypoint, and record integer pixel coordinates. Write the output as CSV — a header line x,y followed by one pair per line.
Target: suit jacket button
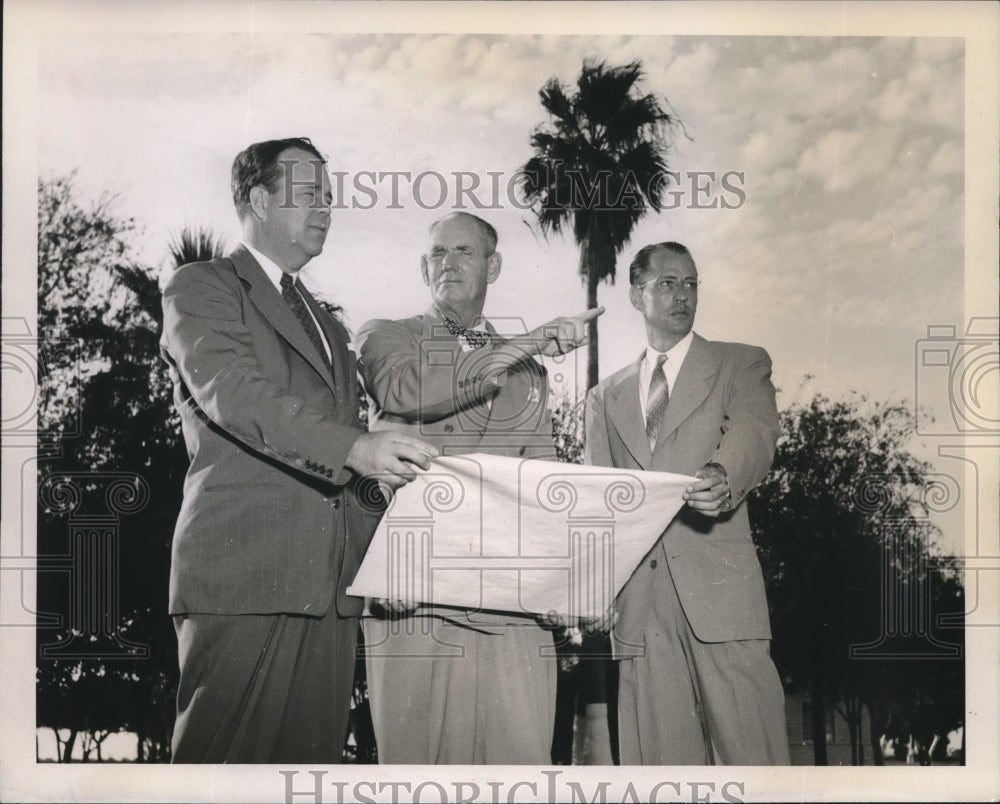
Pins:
x,y
652,564
336,503
449,428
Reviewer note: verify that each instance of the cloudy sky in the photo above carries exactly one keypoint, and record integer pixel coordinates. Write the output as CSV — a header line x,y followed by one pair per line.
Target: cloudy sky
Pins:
x,y
821,178
849,155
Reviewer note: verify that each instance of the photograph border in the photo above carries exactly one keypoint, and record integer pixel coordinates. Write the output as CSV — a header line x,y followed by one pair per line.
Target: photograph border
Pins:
x,y
21,779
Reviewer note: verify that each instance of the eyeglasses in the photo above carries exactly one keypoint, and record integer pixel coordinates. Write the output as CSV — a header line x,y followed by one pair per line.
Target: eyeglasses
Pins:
x,y
669,284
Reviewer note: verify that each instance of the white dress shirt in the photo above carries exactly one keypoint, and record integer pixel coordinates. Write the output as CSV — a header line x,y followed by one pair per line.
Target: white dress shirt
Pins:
x,y
671,367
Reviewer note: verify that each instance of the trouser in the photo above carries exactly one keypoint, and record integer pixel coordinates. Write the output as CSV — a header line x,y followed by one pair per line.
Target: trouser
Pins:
x,y
447,693
687,702
263,688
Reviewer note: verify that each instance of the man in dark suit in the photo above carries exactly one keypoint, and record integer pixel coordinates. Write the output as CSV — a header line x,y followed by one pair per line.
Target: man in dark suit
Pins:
x,y
697,684
453,686
275,517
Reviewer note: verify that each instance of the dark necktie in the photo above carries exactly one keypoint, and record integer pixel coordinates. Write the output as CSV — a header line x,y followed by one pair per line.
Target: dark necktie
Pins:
x,y
298,306
476,338
656,401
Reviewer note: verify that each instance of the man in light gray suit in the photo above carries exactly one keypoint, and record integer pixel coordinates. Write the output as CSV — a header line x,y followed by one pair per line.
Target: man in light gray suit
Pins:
x,y
275,519
697,684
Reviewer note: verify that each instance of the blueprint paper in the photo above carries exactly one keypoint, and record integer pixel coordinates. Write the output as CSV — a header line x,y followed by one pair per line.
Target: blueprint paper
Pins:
x,y
517,535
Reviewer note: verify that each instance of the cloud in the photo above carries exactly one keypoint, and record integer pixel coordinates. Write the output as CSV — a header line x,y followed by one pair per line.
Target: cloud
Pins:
x,y
924,98
851,149
949,158
836,159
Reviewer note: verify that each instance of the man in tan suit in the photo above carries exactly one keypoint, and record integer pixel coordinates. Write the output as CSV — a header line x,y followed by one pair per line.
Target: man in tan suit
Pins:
x,y
454,686
697,684
275,518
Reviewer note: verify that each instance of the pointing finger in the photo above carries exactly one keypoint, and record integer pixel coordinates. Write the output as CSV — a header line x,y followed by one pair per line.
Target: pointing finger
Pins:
x,y
590,315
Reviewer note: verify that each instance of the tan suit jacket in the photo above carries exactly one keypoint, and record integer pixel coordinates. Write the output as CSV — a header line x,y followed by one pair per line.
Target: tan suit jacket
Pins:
x,y
721,409
423,383
271,522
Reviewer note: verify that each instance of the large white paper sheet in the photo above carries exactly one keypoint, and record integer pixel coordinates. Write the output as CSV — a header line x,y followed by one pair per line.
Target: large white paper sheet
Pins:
x,y
517,535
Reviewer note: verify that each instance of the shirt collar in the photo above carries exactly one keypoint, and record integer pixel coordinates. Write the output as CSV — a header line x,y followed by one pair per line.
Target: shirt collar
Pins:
x,y
675,354
270,266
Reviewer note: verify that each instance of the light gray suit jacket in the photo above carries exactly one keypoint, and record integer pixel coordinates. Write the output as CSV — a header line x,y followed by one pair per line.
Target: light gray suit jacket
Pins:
x,y
721,409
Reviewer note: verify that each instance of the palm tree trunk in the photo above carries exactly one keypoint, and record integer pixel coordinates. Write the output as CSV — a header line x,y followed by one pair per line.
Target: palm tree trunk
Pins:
x,y
592,374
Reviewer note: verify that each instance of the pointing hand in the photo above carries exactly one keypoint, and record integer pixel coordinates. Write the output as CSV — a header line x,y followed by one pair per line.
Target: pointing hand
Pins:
x,y
564,334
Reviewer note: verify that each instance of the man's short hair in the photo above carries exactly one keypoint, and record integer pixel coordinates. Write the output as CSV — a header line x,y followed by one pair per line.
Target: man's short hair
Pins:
x,y
489,232
640,263
258,164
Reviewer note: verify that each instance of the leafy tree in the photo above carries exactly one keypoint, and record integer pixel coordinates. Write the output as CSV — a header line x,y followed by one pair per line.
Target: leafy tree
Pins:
x,y
599,165
567,428
842,525
106,418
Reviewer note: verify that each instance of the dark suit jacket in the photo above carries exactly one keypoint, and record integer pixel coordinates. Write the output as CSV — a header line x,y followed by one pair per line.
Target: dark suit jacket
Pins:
x,y
721,409
271,520
423,383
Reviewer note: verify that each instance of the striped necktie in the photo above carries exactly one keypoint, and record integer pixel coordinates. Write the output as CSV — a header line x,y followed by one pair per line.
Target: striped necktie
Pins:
x,y
294,300
656,401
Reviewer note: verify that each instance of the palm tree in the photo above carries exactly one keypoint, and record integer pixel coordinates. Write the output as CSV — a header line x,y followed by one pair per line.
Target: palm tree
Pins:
x,y
195,244
599,163
192,244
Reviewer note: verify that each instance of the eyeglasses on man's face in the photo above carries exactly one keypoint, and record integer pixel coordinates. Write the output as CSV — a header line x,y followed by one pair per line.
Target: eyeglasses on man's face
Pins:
x,y
671,284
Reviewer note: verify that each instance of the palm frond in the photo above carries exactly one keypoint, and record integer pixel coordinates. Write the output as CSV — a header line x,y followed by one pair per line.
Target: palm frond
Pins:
x,y
599,164
195,244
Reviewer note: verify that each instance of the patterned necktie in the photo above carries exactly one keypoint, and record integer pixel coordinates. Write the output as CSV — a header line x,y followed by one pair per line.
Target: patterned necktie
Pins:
x,y
298,306
476,338
656,401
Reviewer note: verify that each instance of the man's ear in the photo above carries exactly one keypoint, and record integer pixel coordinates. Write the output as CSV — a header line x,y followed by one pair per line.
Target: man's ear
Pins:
x,y
259,199
635,296
493,263
423,270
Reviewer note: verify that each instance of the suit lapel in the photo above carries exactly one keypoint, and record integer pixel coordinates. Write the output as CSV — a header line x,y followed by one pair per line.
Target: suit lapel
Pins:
x,y
340,382
267,299
626,416
693,385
